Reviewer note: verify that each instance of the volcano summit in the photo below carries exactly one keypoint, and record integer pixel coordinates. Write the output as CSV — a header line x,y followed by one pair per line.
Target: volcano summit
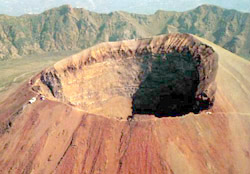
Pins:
x,y
72,117
163,76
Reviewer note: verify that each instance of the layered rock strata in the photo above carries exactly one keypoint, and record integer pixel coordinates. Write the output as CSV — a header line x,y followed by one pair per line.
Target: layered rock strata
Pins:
x,y
164,75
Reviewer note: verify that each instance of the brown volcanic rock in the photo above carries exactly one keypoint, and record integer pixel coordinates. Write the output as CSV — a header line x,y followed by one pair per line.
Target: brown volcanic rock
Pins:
x,y
53,137
147,73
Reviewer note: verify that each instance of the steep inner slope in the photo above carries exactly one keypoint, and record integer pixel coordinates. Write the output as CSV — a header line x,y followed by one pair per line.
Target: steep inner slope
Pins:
x,y
167,75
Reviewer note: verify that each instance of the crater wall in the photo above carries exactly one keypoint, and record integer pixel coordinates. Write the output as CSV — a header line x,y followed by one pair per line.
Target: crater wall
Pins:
x,y
167,75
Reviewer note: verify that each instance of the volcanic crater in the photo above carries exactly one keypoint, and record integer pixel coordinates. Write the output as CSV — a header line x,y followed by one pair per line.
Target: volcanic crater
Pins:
x,y
167,75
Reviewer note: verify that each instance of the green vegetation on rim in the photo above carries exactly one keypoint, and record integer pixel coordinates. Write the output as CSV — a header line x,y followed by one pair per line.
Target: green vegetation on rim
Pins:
x,y
67,28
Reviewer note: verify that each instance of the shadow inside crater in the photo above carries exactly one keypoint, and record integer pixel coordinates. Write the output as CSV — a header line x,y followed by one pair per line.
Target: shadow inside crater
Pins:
x,y
168,86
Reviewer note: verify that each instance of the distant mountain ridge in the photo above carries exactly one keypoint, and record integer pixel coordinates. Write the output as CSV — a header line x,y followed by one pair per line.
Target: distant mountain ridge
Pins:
x,y
67,28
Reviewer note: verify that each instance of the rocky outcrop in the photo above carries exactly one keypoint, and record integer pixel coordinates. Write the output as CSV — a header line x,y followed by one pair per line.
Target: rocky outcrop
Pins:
x,y
52,81
165,75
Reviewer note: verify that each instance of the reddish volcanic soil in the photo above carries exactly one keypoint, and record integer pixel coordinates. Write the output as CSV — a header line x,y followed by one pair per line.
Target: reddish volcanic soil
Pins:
x,y
85,124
